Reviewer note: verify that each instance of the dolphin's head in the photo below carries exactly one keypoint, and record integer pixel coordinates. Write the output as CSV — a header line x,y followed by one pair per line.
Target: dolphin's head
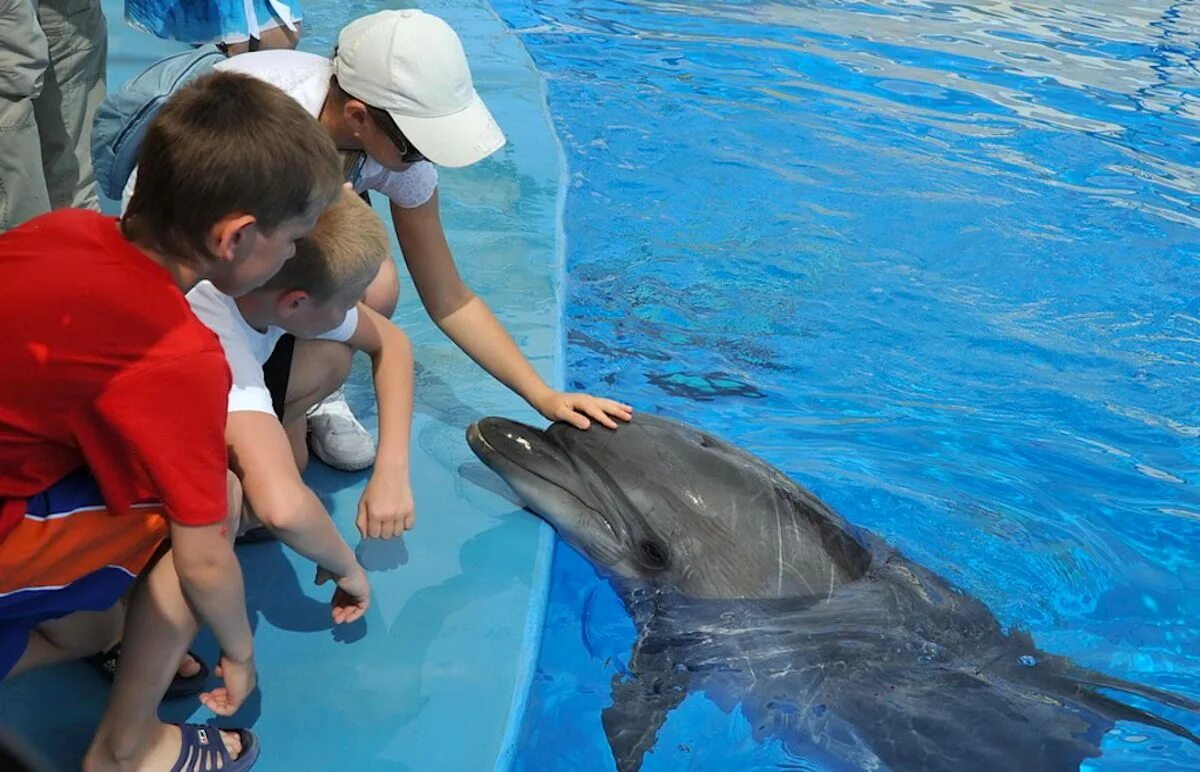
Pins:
x,y
660,501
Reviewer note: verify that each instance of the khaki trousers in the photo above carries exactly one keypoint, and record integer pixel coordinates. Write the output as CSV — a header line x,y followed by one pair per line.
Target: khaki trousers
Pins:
x,y
53,55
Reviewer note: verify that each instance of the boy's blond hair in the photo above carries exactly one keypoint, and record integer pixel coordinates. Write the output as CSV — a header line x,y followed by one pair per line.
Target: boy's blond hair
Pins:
x,y
227,144
346,248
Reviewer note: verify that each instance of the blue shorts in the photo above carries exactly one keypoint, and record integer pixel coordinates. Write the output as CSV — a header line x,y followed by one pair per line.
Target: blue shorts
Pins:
x,y
218,21
70,553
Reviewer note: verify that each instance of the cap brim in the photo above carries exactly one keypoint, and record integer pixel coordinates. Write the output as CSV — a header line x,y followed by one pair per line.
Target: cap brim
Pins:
x,y
456,140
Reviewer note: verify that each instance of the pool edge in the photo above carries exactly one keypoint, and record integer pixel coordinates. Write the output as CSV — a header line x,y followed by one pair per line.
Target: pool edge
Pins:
x,y
539,594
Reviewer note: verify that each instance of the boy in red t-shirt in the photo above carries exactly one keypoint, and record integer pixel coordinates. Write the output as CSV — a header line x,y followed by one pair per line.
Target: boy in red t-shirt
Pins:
x,y
106,368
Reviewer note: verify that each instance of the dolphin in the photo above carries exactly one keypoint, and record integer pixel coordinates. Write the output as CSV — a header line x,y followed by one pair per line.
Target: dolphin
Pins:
x,y
745,587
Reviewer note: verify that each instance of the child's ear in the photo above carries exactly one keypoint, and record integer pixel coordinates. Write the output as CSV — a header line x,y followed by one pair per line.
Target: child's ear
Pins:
x,y
355,113
232,236
291,302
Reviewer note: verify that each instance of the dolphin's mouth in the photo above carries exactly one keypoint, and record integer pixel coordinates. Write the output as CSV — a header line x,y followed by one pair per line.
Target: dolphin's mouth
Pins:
x,y
490,453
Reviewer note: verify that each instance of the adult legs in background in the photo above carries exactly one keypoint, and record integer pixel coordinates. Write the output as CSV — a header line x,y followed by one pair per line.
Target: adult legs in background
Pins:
x,y
74,86
276,37
23,63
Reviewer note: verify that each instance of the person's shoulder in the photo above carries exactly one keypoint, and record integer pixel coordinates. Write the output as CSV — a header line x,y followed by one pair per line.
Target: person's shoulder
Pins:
x,y
77,247
219,313
299,74
344,332
282,67
204,296
272,60
63,227
408,188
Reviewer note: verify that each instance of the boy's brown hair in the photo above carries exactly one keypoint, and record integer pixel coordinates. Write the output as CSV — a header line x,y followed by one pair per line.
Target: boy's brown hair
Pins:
x,y
226,144
346,247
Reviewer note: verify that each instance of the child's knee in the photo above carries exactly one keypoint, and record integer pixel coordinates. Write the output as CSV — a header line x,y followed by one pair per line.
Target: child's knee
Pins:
x,y
338,359
297,438
319,368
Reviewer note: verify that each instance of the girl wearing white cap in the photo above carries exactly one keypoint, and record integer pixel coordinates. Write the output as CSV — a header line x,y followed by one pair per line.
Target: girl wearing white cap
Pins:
x,y
398,97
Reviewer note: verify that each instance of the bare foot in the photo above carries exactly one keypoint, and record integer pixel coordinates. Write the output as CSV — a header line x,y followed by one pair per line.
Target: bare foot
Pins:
x,y
188,666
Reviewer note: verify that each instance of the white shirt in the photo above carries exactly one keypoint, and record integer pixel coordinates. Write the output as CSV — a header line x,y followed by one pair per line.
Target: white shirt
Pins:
x,y
305,78
247,349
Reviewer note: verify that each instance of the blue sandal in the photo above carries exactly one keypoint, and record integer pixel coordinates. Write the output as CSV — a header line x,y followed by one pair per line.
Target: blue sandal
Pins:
x,y
204,750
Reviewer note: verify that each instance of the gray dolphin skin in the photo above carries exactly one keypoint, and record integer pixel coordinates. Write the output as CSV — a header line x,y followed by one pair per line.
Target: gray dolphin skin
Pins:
x,y
747,588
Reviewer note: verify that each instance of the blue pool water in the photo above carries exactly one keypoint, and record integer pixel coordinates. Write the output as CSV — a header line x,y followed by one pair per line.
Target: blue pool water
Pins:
x,y
938,262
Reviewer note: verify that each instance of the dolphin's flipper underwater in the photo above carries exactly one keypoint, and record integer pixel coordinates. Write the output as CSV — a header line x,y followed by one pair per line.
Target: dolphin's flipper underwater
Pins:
x,y
1095,679
640,707
1089,680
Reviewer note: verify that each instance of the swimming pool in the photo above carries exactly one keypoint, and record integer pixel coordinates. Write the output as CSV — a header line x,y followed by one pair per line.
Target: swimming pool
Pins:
x,y
935,260
433,675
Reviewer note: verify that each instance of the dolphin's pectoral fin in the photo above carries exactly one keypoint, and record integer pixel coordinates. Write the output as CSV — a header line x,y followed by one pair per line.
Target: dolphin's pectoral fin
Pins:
x,y
1093,678
640,707
1115,710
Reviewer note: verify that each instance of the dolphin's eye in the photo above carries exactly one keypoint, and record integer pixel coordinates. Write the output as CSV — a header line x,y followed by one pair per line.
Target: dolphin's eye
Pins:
x,y
653,555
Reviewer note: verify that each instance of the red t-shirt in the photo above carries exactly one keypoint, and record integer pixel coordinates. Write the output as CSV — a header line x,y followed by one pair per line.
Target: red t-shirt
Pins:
x,y
105,367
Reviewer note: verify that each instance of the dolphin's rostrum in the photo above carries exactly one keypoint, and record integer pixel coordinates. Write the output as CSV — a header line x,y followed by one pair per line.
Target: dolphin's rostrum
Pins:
x,y
746,587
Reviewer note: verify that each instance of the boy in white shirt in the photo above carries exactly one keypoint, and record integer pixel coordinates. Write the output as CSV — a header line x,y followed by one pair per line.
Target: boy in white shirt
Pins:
x,y
304,326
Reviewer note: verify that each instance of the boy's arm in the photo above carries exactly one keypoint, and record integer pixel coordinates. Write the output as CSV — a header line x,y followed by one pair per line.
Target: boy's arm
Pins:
x,y
386,508
261,456
467,321
210,576
137,421
211,579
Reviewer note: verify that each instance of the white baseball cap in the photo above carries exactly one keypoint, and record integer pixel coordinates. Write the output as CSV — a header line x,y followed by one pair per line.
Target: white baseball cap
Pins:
x,y
412,65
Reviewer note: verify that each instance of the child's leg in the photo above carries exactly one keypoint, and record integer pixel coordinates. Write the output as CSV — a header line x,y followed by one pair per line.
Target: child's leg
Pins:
x,y
159,626
158,629
279,37
272,28
297,433
314,369
73,637
319,367
276,37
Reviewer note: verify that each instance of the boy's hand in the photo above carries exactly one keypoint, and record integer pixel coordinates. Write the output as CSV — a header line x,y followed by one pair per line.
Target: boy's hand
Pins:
x,y
575,409
352,597
240,680
386,508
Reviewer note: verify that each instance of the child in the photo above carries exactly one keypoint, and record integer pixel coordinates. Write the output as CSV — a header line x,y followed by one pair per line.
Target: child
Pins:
x,y
397,98
106,369
289,344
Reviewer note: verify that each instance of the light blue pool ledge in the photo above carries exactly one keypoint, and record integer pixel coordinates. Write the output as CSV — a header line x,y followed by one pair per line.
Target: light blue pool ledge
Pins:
x,y
437,677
